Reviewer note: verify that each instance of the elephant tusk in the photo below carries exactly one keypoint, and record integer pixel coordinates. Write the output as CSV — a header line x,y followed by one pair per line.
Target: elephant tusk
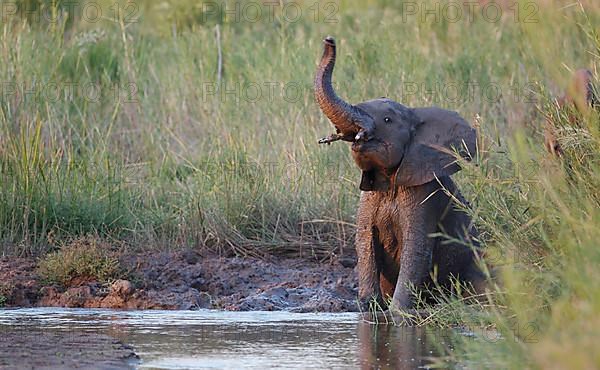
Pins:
x,y
360,136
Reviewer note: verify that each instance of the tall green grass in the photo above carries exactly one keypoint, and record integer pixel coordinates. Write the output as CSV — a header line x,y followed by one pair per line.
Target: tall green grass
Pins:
x,y
162,160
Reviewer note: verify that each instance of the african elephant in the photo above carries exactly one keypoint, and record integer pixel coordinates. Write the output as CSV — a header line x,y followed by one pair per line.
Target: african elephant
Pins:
x,y
577,103
406,156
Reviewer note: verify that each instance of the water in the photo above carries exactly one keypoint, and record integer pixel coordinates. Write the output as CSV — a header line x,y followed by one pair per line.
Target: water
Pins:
x,y
210,339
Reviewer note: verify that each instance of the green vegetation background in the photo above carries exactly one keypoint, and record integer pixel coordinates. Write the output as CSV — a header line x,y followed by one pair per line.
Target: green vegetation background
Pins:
x,y
130,129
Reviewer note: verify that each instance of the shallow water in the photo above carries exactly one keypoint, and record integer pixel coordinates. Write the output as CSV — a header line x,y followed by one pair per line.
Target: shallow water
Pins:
x,y
209,339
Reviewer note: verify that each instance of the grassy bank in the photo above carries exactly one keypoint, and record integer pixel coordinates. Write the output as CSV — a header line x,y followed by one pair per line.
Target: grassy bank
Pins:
x,y
176,125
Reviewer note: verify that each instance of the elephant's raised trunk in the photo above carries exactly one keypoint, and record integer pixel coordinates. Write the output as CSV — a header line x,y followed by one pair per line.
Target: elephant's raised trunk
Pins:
x,y
351,122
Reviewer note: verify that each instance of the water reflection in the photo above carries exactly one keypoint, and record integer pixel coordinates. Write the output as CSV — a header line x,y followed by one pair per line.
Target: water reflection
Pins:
x,y
216,339
397,347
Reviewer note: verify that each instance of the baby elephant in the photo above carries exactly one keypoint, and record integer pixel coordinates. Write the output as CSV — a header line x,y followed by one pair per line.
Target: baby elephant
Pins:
x,y
406,156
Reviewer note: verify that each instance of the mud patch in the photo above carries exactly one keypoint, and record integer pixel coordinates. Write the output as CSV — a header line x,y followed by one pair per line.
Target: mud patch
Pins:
x,y
19,283
187,280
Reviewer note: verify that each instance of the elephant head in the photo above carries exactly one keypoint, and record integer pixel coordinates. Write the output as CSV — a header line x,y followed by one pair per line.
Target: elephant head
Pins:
x,y
392,144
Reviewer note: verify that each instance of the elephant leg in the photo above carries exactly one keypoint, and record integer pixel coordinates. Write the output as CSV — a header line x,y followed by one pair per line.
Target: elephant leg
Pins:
x,y
367,243
415,260
368,247
414,269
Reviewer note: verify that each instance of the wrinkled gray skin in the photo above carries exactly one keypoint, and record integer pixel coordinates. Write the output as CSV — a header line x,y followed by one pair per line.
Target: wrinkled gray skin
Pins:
x,y
406,156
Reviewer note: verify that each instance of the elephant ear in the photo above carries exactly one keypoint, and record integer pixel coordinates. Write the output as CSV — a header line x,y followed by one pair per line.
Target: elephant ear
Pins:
x,y
439,135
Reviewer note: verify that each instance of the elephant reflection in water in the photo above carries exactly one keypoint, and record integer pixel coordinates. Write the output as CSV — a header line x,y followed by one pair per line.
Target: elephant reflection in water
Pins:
x,y
397,347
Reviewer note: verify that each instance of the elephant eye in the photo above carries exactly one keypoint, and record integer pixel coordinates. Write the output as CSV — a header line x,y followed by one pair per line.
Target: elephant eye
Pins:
x,y
387,120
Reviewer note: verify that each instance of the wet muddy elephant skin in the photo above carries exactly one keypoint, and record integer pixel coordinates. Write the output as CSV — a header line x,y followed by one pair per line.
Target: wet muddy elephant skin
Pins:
x,y
406,156
394,248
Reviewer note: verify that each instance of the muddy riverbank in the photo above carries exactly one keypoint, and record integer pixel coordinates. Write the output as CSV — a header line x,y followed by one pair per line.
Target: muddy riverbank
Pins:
x,y
187,280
